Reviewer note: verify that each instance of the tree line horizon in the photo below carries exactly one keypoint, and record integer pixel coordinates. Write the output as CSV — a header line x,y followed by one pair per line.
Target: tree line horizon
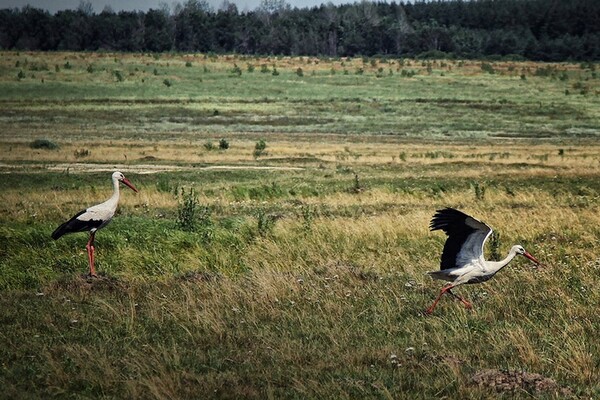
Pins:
x,y
537,30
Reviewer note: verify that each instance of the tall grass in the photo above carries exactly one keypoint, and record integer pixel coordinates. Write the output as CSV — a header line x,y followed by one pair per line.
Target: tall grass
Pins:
x,y
329,310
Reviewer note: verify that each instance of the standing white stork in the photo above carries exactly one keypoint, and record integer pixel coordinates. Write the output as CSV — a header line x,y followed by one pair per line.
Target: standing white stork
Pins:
x,y
462,259
94,218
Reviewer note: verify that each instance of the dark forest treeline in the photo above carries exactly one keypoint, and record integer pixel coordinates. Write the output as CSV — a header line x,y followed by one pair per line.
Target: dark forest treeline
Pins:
x,y
549,30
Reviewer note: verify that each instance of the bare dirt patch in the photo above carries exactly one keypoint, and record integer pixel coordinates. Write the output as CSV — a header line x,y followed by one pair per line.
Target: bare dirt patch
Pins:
x,y
509,381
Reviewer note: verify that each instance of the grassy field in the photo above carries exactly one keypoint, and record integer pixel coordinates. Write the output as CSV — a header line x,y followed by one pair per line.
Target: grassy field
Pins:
x,y
298,271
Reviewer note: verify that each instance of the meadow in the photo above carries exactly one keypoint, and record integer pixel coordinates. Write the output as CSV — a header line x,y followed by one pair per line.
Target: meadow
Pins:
x,y
296,270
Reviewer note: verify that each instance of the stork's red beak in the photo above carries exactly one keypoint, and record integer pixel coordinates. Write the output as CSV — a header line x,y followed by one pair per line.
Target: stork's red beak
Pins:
x,y
126,182
532,258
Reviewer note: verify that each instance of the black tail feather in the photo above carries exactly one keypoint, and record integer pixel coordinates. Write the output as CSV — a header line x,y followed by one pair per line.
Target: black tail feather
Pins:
x,y
75,225
60,231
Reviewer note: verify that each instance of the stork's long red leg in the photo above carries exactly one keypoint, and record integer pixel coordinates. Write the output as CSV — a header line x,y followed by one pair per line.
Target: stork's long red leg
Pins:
x,y
444,290
90,249
462,300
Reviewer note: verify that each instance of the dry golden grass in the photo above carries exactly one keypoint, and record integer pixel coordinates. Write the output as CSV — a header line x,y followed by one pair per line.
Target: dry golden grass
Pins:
x,y
368,151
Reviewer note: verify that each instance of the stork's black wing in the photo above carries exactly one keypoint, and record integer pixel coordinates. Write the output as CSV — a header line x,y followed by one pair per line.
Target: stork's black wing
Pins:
x,y
76,225
466,237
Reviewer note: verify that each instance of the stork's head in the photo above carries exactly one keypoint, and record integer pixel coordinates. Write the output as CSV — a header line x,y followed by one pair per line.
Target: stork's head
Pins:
x,y
521,250
121,178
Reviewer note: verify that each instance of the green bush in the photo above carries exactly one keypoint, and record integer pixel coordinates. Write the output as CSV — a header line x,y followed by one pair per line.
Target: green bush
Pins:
x,y
45,144
191,217
187,211
223,144
259,148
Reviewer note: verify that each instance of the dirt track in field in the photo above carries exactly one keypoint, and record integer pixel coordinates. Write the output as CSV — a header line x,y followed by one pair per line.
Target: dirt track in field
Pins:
x,y
132,168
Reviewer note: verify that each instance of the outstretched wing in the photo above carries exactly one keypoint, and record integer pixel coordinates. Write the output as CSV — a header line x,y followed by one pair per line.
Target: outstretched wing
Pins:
x,y
466,237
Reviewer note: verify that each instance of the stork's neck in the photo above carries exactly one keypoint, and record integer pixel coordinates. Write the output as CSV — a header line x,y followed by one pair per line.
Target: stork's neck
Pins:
x,y
495,266
114,199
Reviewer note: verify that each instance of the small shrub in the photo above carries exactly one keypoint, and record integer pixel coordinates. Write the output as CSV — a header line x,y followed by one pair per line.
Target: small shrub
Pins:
x,y
357,187
299,72
209,146
82,153
260,145
308,216
479,191
259,148
236,70
155,72
20,75
561,152
264,69
487,67
275,72
223,144
188,64
187,211
90,69
265,223
44,144
118,75
167,83
250,68
67,65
